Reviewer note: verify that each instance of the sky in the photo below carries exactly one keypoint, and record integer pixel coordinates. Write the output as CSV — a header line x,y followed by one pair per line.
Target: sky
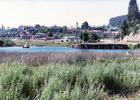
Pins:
x,y
60,12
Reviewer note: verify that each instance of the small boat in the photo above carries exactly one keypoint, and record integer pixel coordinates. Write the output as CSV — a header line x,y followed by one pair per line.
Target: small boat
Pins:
x,y
26,45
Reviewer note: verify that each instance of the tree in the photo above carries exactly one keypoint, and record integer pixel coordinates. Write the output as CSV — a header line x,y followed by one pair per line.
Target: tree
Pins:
x,y
133,23
133,12
85,25
1,43
135,29
13,30
49,34
64,29
124,29
37,26
93,37
84,36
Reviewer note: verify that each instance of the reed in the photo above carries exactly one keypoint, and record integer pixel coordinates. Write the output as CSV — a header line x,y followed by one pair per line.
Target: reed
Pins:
x,y
41,58
88,81
69,76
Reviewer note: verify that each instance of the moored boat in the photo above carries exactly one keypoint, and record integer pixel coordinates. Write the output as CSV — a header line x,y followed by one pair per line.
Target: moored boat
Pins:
x,y
26,45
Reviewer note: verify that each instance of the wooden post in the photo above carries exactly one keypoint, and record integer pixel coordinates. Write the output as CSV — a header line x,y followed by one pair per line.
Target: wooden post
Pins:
x,y
83,37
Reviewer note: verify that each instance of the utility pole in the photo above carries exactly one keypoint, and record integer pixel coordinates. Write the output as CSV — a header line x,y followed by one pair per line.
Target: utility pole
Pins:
x,y
83,37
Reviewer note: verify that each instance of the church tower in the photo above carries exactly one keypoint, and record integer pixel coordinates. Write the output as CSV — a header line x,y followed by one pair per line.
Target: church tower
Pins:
x,y
76,25
2,27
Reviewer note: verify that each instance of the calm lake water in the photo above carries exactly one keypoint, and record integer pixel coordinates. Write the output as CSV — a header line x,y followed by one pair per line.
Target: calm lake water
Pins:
x,y
53,49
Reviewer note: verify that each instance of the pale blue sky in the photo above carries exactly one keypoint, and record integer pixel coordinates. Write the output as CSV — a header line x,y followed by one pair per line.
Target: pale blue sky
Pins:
x,y
60,12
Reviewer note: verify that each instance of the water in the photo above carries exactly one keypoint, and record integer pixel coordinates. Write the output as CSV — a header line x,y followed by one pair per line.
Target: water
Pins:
x,y
53,49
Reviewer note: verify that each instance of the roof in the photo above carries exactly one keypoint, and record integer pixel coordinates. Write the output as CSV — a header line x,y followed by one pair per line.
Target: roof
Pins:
x,y
69,36
72,28
95,31
107,32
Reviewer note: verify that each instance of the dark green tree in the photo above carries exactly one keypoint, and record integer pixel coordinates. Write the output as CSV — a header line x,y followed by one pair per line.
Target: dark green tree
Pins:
x,y
84,36
37,26
1,43
85,25
13,30
49,34
64,29
124,29
133,12
93,37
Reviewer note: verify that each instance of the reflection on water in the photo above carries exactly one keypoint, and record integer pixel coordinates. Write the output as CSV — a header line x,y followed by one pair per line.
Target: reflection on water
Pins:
x,y
53,49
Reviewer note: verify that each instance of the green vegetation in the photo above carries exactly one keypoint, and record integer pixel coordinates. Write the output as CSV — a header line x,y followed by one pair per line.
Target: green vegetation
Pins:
x,y
1,43
41,58
6,42
124,29
133,20
69,44
80,79
134,46
84,36
44,43
85,25
133,12
89,37
134,41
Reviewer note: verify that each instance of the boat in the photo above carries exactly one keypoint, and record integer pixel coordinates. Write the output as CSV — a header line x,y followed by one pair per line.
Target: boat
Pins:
x,y
26,45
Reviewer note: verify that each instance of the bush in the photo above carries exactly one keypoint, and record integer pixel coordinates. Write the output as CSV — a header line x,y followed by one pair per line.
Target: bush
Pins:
x,y
6,42
1,43
134,46
93,37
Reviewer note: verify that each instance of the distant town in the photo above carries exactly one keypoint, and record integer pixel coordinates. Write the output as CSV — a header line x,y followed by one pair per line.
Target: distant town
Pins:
x,y
39,32
120,28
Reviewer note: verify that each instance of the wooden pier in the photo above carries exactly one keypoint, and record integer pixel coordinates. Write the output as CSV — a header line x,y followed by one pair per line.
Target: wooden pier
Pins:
x,y
100,46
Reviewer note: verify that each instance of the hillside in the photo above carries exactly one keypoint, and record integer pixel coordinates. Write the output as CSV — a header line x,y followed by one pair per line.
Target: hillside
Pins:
x,y
116,21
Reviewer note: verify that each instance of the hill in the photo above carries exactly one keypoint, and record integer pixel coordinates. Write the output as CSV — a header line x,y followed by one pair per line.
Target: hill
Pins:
x,y
116,21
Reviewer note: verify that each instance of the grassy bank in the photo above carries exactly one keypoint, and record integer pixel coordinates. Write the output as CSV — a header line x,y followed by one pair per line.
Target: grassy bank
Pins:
x,y
44,43
69,76
60,44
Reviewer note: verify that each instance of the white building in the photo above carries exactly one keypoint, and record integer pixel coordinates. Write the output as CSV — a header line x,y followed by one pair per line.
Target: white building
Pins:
x,y
68,38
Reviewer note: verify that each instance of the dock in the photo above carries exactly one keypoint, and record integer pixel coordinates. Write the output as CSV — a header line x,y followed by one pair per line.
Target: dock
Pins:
x,y
100,46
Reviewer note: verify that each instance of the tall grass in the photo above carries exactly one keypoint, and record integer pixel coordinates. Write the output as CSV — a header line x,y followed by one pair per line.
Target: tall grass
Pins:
x,y
86,80
69,76
63,57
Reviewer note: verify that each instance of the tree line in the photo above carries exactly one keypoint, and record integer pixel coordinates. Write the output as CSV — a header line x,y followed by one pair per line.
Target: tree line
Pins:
x,y
133,20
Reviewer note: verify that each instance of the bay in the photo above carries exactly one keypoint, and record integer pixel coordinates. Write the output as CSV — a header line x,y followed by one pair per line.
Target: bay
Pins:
x,y
55,49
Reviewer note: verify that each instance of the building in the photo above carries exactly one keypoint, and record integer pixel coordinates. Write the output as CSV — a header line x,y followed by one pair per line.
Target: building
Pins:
x,y
69,38
73,28
98,32
26,35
